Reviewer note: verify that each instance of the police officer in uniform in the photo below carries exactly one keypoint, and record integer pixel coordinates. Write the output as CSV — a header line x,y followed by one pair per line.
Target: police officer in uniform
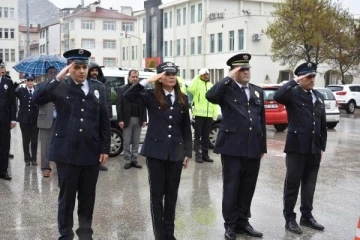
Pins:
x,y
167,144
305,144
81,139
241,142
27,118
7,121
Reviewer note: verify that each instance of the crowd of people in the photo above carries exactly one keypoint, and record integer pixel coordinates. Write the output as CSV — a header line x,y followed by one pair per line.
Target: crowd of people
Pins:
x,y
71,110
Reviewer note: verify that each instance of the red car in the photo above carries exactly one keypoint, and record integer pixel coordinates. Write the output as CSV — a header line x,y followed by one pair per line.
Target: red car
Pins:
x,y
275,113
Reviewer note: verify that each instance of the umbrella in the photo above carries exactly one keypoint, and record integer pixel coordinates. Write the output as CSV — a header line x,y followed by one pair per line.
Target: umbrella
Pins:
x,y
37,65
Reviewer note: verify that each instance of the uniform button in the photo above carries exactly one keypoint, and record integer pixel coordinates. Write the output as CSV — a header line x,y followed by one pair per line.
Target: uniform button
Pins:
x,y
170,126
313,132
55,134
80,130
235,100
226,130
249,111
159,107
248,103
82,109
170,117
169,136
314,114
314,123
81,120
250,119
295,132
83,100
29,101
303,104
250,128
171,108
67,97
29,110
29,105
29,97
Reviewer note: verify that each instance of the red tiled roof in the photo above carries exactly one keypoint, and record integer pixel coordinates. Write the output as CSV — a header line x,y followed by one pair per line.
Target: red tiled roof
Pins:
x,y
31,29
102,13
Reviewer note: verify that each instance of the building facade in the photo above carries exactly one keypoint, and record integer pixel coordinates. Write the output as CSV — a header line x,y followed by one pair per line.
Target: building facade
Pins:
x,y
9,35
98,30
33,41
49,39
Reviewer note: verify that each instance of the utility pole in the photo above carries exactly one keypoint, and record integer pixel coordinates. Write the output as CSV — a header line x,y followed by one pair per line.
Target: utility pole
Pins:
x,y
27,30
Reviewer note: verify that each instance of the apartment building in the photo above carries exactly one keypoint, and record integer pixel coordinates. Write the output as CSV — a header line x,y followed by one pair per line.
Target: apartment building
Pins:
x,y
9,35
49,39
33,41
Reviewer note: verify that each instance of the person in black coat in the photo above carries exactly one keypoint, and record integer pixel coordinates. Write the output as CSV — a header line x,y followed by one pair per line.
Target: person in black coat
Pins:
x,y
241,142
27,118
81,140
7,122
305,144
131,117
167,145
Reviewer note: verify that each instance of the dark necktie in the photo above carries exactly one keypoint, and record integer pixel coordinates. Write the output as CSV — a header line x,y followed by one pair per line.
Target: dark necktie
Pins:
x,y
168,97
30,91
243,88
309,95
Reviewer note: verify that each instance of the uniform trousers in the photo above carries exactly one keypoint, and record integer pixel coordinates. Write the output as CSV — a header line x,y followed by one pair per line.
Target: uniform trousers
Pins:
x,y
202,127
4,147
80,180
239,181
164,180
131,135
300,168
30,133
45,140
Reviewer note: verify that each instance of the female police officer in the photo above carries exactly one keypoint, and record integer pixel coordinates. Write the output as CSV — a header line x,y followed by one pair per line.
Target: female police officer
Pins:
x,y
167,144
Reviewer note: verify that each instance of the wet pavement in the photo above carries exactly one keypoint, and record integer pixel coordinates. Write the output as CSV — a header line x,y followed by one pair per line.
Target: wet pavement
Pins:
x,y
28,206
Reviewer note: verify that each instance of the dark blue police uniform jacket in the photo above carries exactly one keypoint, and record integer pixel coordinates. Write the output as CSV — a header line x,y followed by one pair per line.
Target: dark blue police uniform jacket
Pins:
x,y
7,101
168,135
242,131
307,121
82,127
28,111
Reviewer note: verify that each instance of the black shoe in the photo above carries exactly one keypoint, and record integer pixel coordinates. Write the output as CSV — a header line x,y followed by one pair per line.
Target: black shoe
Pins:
x,y
198,159
5,176
312,223
207,159
230,233
136,165
293,227
127,165
34,163
27,164
170,238
11,155
248,230
103,168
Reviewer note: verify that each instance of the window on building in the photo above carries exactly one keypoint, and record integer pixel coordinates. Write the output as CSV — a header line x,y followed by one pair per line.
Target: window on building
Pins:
x,y
1,33
192,46
178,17
109,44
200,12
12,13
144,25
72,25
199,42
127,53
6,12
178,47
184,46
91,59
7,56
144,50
12,33
1,12
171,46
184,73
220,42
132,52
192,20
123,54
72,43
87,24
165,20
212,43
88,43
109,25
241,39
170,19
184,16
231,41
1,53
109,62
192,73
6,33
166,48
127,26
12,56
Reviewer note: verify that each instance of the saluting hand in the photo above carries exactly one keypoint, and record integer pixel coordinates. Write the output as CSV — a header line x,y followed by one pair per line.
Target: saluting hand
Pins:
x,y
232,72
103,158
299,78
62,74
155,78
186,162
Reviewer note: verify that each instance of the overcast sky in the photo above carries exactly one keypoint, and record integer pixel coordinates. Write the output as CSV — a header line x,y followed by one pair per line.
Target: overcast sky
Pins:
x,y
353,5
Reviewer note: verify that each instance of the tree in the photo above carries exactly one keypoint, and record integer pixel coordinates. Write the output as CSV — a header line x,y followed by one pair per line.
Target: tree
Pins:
x,y
300,31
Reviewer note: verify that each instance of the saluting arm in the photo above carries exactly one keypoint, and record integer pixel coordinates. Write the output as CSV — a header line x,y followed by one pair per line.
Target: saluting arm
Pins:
x,y
215,94
44,94
284,94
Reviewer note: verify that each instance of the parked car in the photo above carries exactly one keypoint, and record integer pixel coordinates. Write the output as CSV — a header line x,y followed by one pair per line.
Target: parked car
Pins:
x,y
331,107
347,96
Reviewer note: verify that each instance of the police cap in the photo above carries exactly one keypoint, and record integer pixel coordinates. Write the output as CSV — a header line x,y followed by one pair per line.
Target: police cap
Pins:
x,y
306,68
239,60
166,67
80,56
29,77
